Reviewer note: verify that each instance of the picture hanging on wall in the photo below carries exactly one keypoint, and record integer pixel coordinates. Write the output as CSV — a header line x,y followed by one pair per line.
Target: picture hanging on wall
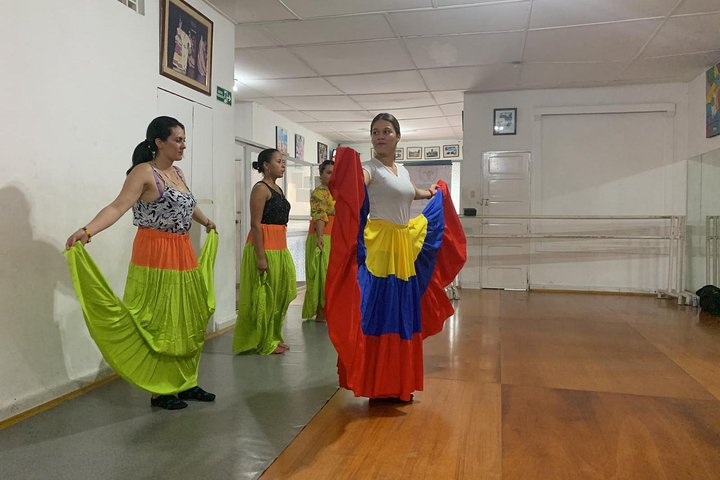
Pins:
x,y
712,102
399,154
451,151
432,153
186,39
281,139
414,153
322,152
299,147
504,121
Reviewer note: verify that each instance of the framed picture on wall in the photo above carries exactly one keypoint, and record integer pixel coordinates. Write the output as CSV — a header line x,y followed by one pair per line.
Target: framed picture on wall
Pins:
x,y
299,147
505,121
432,153
414,153
450,151
712,105
322,152
186,39
281,139
399,153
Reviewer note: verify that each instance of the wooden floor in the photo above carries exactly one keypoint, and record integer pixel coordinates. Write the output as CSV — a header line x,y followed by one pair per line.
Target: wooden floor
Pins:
x,y
537,386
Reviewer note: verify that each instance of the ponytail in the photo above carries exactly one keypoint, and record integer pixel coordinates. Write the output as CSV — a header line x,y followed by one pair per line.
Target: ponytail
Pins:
x,y
145,151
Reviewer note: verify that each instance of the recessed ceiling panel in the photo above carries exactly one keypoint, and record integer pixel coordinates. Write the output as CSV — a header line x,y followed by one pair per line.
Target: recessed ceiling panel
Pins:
x,y
459,50
392,82
326,30
257,63
349,58
556,13
323,8
608,42
486,18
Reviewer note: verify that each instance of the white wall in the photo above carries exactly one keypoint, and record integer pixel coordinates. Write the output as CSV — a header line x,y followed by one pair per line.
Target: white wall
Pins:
x,y
661,185
81,92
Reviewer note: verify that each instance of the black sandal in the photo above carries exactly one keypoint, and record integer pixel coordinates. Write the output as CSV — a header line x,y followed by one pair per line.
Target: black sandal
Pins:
x,y
196,393
168,402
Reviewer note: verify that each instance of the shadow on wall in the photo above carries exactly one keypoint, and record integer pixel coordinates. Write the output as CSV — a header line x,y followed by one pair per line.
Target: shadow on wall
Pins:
x,y
31,352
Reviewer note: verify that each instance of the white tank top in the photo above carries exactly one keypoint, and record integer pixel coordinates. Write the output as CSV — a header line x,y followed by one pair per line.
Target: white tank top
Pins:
x,y
390,195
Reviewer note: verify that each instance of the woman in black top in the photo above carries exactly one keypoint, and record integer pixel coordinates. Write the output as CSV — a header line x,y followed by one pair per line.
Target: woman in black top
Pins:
x,y
267,272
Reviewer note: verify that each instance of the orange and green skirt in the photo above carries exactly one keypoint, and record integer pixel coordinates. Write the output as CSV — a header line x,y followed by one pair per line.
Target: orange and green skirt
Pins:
x,y
264,298
153,337
316,265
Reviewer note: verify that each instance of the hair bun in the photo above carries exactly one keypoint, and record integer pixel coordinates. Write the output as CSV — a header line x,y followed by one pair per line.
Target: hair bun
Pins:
x,y
255,165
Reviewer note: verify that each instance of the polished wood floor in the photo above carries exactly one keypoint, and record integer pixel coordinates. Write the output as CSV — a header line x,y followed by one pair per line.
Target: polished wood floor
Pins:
x,y
537,386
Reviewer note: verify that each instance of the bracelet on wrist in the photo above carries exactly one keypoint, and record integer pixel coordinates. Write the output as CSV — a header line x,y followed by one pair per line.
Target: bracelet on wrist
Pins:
x,y
87,232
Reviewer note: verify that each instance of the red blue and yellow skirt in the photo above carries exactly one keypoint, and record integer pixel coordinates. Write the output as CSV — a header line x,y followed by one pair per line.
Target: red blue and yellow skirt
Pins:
x,y
154,336
316,265
385,288
264,297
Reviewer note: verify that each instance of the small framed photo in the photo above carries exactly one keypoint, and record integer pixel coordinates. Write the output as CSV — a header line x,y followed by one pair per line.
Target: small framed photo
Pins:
x,y
281,140
450,151
299,147
186,39
322,152
432,153
400,153
505,121
414,153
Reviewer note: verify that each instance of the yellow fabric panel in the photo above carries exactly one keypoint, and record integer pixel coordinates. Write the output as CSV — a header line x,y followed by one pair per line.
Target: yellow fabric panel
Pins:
x,y
392,248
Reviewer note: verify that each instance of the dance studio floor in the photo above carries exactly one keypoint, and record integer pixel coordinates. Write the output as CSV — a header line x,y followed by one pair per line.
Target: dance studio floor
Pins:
x,y
518,386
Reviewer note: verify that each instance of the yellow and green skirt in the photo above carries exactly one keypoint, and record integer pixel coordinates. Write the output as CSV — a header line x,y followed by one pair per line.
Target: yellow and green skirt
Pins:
x,y
264,298
316,265
154,336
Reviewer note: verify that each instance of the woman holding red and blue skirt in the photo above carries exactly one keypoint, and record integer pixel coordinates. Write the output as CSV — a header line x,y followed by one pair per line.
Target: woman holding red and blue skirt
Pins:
x,y
154,336
387,273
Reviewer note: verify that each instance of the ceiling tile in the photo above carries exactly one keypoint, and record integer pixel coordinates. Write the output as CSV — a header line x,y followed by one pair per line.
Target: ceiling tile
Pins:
x,y
253,36
326,30
533,74
413,113
485,18
362,57
690,34
607,42
329,102
253,10
452,109
323,8
455,120
485,78
352,127
680,68
556,13
448,96
340,115
242,91
422,123
391,101
407,81
458,50
442,133
273,104
446,3
698,6
298,117
258,63
299,86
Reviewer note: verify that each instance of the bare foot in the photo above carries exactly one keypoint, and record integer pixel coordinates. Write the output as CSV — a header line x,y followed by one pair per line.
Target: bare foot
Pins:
x,y
280,349
285,345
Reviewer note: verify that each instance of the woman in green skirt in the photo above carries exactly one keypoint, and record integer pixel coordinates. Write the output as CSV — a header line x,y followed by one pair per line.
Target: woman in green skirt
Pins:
x,y
267,272
317,246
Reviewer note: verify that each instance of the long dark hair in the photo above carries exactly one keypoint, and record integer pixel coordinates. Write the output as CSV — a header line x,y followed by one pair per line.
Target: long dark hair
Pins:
x,y
325,164
161,128
264,157
388,118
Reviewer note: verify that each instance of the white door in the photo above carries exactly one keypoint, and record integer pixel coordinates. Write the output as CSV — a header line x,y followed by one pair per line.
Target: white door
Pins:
x,y
506,191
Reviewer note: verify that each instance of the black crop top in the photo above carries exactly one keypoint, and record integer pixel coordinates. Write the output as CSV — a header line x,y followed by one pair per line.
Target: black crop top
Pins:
x,y
277,209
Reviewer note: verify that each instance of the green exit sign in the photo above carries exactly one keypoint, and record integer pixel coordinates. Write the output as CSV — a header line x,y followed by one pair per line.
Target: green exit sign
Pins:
x,y
224,96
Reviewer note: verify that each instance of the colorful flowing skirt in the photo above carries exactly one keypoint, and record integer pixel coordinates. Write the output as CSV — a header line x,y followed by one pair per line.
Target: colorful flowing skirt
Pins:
x,y
264,297
386,284
154,336
316,265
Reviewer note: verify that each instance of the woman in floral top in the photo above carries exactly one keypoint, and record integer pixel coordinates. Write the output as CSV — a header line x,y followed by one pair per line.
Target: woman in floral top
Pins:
x,y
317,246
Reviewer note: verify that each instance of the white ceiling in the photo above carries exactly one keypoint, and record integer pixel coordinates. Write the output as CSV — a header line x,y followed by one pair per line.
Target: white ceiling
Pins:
x,y
331,65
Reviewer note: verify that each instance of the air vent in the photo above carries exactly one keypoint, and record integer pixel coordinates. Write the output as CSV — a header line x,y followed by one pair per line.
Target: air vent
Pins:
x,y
135,5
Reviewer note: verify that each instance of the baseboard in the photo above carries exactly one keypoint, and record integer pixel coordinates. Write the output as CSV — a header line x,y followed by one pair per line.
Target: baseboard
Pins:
x,y
224,323
592,290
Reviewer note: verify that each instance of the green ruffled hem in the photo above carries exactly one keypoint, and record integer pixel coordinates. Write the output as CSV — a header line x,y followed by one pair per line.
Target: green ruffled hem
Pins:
x,y
316,265
263,301
153,338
